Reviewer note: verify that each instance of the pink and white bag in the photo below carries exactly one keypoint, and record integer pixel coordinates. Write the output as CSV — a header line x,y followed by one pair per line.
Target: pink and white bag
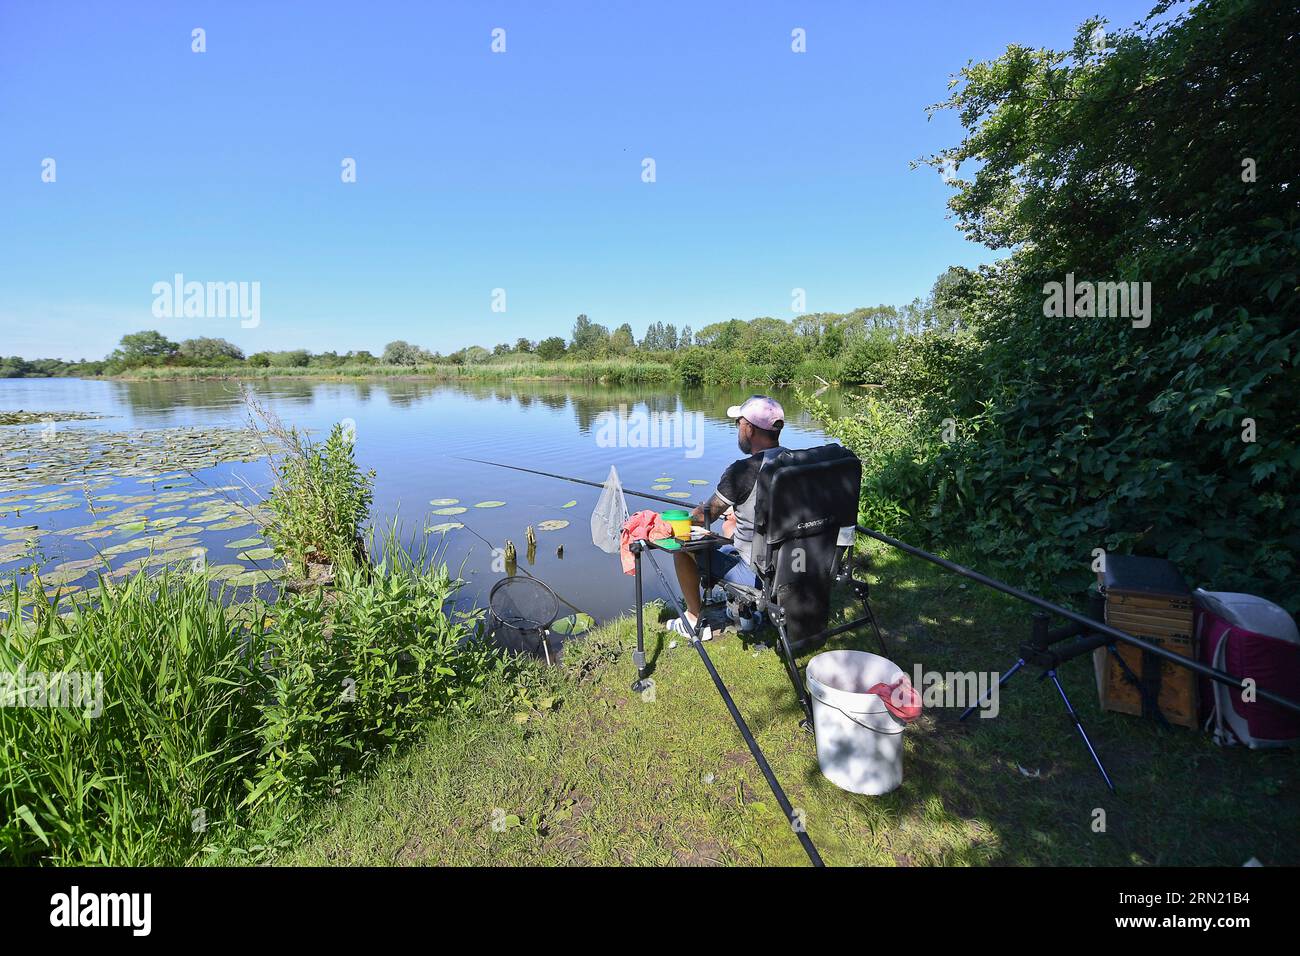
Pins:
x,y
1251,637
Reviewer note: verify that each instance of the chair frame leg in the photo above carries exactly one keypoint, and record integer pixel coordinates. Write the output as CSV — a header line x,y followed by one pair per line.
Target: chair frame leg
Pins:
x,y
796,679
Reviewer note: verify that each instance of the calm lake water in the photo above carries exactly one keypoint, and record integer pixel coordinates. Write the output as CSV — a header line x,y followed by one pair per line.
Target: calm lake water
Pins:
x,y
413,434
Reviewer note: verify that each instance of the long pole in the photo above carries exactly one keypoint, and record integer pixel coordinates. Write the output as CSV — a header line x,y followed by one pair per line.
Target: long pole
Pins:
x,y
1095,626
577,481
1196,666
773,784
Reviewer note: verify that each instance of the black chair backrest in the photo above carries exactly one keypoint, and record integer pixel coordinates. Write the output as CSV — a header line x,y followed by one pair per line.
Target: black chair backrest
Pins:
x,y
804,499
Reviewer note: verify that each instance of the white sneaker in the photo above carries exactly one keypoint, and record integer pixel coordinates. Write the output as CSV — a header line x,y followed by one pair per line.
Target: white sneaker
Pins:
x,y
678,626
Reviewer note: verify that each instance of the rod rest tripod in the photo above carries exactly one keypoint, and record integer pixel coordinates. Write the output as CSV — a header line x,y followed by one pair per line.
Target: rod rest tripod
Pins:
x,y
1048,649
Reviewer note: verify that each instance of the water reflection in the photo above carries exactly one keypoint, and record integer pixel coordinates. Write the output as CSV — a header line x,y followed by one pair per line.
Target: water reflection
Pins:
x,y
416,434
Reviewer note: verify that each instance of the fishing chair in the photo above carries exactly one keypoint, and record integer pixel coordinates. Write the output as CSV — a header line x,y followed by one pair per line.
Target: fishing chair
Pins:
x,y
805,516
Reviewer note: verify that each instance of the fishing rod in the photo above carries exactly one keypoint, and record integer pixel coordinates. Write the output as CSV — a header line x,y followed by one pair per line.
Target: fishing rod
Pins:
x,y
773,784
748,736
577,481
1222,677
1098,627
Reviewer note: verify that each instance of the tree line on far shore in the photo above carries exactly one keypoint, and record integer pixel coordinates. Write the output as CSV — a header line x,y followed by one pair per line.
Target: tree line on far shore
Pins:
x,y
835,346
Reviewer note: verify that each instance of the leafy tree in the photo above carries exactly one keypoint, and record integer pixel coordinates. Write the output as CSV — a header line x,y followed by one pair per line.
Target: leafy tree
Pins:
x,y
1167,159
589,338
401,353
721,335
209,351
622,340
551,348
146,345
293,358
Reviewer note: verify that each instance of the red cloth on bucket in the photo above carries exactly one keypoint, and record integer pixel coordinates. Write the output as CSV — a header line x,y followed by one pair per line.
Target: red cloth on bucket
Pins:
x,y
642,526
902,699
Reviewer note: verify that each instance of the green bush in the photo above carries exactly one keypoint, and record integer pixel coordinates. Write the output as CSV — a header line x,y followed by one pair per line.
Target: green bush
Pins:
x,y
218,717
157,771
320,498
1175,438
356,672
862,362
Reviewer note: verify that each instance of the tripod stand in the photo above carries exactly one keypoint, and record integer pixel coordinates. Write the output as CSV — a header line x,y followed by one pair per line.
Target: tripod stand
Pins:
x,y
1039,651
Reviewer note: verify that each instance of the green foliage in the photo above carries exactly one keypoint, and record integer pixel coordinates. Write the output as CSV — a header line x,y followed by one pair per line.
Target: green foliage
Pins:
x,y
894,448
1089,432
216,717
402,353
320,499
209,351
356,673
551,348
864,361
140,781
147,345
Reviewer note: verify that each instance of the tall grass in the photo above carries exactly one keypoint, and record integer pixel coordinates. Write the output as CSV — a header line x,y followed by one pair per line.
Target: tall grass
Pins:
x,y
144,779
215,716
218,717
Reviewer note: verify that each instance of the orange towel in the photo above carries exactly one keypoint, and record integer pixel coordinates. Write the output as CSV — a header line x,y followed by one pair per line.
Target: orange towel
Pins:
x,y
642,526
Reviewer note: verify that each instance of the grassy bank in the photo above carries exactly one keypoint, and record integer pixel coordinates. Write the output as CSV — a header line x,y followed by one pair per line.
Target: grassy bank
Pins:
x,y
695,369
214,718
160,720
583,771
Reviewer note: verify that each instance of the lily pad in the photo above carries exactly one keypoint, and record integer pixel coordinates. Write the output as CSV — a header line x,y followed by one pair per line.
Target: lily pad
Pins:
x,y
244,543
224,572
489,504
450,511
678,494
552,524
231,524
443,528
442,502
573,624
569,504
259,576
256,554
696,481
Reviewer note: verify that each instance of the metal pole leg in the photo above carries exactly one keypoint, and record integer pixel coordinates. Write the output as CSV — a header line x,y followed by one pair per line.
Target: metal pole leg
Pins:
x,y
792,669
1079,726
638,656
1001,680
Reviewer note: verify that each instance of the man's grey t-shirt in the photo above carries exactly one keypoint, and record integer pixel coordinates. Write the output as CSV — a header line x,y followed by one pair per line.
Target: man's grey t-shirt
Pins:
x,y
736,488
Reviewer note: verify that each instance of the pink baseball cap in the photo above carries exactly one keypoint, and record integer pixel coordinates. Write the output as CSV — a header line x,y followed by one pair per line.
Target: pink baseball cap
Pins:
x,y
760,411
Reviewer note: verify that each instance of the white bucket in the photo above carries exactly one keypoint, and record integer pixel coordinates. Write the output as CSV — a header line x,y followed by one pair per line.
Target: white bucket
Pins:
x,y
859,742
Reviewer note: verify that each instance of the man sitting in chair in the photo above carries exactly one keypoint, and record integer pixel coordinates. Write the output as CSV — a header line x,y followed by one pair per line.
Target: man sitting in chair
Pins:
x,y
759,422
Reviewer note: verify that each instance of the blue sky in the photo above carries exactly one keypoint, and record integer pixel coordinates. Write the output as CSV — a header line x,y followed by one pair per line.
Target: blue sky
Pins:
x,y
478,171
